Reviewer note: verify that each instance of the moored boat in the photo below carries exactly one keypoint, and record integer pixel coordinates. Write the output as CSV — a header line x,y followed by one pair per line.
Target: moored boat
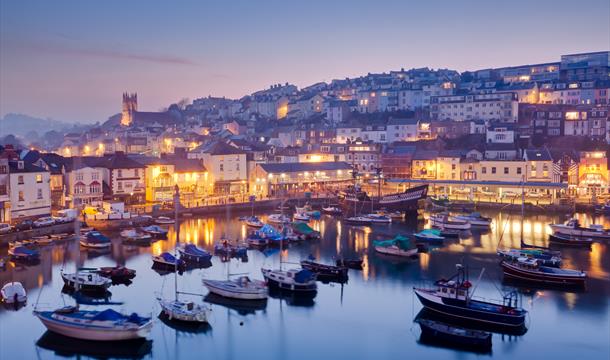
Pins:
x,y
545,257
241,288
323,270
95,240
444,221
135,236
21,253
117,273
455,336
358,220
570,240
573,228
13,293
86,281
475,219
298,281
332,210
155,231
186,311
193,254
526,269
168,261
452,298
429,235
254,222
356,264
226,248
399,246
354,198
379,219
105,325
164,220
278,219
301,217
42,240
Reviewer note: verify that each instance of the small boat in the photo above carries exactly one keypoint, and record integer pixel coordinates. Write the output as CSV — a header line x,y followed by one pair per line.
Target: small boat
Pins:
x,y
21,253
86,281
225,248
440,203
278,219
379,219
444,221
358,220
117,273
95,240
475,219
332,210
301,217
305,230
546,258
242,288
134,236
13,293
164,220
155,231
452,298
323,270
572,227
169,261
105,325
256,240
356,264
193,254
399,246
254,221
186,311
454,335
298,281
570,240
42,240
530,270
429,235
308,210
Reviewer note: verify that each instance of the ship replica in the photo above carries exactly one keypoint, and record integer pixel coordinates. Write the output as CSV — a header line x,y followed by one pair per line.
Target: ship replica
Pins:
x,y
354,198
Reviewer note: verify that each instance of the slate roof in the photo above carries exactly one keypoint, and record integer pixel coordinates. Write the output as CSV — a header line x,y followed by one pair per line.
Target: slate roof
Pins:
x,y
538,155
218,148
27,168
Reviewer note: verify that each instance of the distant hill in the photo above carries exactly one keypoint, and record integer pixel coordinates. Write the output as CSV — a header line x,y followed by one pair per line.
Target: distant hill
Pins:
x,y
20,125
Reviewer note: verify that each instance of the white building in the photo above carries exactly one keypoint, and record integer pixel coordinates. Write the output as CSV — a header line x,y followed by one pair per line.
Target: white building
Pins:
x,y
402,130
495,106
226,165
30,190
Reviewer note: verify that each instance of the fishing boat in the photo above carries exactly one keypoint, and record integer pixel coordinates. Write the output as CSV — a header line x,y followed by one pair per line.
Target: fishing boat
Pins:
x,y
355,198
135,236
22,253
475,219
570,240
379,219
399,246
356,264
175,309
301,217
254,221
164,220
105,325
241,288
299,281
325,271
573,228
278,219
87,281
454,336
155,231
169,261
193,254
429,235
332,210
358,220
117,273
13,293
226,248
95,240
530,270
453,298
444,221
546,258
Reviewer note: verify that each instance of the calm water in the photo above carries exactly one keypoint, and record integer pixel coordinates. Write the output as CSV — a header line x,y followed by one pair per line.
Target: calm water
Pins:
x,y
369,317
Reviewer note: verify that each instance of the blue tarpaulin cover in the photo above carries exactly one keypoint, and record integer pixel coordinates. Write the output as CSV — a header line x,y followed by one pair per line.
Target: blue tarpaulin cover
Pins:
x,y
303,276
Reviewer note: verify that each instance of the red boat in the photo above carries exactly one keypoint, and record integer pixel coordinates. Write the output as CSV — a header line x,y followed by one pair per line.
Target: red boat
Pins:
x,y
530,270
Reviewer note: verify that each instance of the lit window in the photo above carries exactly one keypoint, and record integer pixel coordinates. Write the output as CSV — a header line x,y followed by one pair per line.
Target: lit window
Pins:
x,y
39,178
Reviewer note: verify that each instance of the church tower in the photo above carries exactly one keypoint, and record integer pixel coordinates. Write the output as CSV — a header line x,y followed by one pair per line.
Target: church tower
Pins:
x,y
130,106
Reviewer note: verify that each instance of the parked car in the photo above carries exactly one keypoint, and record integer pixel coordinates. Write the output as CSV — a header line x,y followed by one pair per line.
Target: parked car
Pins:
x,y
24,225
44,221
5,228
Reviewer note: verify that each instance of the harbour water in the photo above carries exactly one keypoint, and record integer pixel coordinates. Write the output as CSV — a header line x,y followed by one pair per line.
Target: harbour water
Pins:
x,y
370,317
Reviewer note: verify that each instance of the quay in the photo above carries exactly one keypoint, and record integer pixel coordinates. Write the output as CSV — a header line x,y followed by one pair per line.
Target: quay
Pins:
x,y
28,234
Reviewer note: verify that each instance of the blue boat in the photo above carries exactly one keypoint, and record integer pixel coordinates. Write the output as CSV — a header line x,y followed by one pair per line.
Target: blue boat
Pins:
x,y
155,231
21,253
192,254
429,235
226,249
168,261
95,240
451,298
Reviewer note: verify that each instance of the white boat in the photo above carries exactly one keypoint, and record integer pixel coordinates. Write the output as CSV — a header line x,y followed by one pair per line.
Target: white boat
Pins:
x,y
379,219
298,281
301,217
13,293
95,240
164,220
278,219
186,311
332,210
86,281
475,219
135,236
254,222
105,325
242,288
358,220
444,221
396,251
572,227
42,240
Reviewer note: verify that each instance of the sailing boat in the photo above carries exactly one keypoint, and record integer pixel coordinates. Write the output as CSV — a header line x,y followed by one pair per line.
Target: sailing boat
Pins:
x,y
175,309
240,288
98,325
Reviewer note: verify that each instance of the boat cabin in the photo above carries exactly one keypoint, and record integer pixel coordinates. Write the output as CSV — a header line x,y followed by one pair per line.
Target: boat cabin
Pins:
x,y
453,289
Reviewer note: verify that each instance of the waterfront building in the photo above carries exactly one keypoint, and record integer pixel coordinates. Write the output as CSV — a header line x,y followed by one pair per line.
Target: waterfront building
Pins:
x,y
495,106
402,129
126,178
29,189
5,199
592,174
226,165
85,181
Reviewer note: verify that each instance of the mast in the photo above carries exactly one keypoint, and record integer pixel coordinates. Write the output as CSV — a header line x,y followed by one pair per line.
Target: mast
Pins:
x,y
522,206
177,230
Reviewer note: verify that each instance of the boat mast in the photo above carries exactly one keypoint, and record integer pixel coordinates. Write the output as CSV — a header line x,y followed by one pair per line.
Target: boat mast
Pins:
x,y
522,207
177,230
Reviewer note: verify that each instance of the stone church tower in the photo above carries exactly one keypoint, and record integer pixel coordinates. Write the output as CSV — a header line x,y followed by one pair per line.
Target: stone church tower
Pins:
x,y
130,106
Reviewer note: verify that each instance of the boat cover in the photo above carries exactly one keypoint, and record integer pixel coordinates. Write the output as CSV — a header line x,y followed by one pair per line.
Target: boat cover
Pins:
x,y
94,236
302,228
303,276
168,257
435,232
22,250
400,241
269,231
194,250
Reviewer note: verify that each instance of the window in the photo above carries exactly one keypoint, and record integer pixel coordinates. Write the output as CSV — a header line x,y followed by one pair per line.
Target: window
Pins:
x,y
3,190
38,178
484,170
518,171
222,167
94,189
20,179
119,173
21,195
39,194
237,166
3,169
493,170
79,189
136,173
95,176
79,176
506,171
120,186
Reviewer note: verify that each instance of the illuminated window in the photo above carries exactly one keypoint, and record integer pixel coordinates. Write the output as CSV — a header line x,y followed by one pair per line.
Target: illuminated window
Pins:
x,y
572,115
39,178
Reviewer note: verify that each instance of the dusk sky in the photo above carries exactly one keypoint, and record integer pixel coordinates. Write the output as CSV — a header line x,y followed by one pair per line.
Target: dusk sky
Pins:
x,y
72,60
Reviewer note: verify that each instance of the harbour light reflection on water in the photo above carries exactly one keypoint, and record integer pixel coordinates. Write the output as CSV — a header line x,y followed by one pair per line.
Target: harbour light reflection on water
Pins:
x,y
370,317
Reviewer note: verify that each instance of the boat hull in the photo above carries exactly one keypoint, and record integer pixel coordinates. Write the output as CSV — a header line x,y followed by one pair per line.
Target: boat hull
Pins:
x,y
432,334
305,289
516,273
569,241
216,287
404,202
579,232
95,334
